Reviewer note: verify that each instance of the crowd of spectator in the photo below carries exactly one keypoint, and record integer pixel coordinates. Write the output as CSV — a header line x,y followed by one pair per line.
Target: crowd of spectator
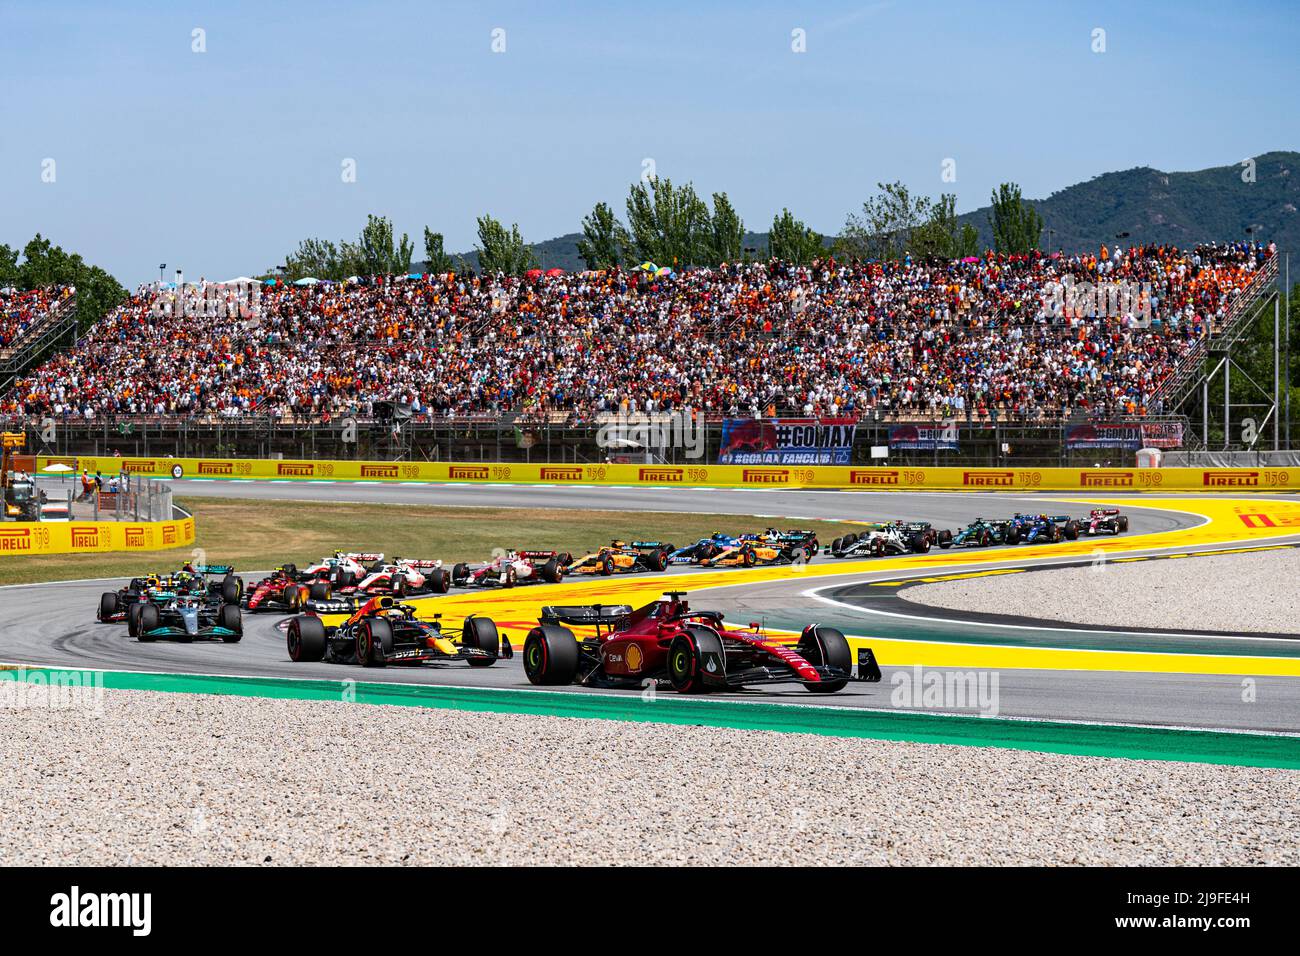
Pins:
x,y
22,311
897,339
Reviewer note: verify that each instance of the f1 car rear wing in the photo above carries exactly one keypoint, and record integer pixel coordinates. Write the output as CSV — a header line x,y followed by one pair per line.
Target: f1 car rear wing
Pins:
x,y
213,568
420,563
1103,512
361,557
538,555
584,614
647,545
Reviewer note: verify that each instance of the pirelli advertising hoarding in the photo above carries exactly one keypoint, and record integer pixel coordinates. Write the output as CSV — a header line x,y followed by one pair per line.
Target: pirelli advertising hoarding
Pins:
x,y
865,478
19,539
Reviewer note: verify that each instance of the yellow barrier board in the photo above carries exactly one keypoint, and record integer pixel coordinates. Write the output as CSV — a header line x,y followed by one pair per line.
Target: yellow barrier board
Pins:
x,y
865,478
89,537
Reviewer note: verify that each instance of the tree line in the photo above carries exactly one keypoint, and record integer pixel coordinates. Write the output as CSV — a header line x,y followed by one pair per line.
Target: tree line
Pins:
x,y
674,226
40,263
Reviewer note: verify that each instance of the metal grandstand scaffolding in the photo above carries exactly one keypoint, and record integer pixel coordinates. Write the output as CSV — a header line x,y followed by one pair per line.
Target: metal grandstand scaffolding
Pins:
x,y
1216,360
56,328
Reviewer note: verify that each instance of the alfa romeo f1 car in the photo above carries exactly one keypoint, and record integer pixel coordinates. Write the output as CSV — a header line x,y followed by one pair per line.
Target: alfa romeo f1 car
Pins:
x,y
881,539
1103,521
511,568
692,650
381,631
622,557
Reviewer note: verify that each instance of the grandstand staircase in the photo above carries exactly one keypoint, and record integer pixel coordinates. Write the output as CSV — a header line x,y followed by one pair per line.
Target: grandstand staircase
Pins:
x,y
59,325
1175,390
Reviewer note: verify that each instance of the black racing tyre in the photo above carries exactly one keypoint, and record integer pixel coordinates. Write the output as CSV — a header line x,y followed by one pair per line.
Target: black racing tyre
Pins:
x,y
230,589
1122,523
374,642
108,605
146,619
320,591
291,570
294,597
398,583
346,579
826,647
438,581
306,639
606,565
747,556
945,538
1013,536
837,547
920,543
551,572
656,560
230,618
508,579
1071,531
707,551
687,657
460,574
481,632
133,619
877,547
851,539
551,655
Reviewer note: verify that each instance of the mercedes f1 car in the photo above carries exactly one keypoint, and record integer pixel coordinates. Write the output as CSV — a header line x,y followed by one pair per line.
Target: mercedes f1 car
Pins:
x,y
187,617
622,558
513,567
881,539
692,650
217,582
1103,521
382,631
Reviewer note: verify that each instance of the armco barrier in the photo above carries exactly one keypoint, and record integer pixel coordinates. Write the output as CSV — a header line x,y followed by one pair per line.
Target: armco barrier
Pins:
x,y
704,475
88,537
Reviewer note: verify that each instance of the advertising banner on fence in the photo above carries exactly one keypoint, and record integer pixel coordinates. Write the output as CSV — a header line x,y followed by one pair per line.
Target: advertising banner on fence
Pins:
x,y
923,437
787,441
24,539
1129,437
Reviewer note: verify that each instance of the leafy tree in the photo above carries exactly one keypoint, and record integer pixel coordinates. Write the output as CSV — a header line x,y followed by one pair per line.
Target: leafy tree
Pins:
x,y
603,238
885,227
941,236
500,250
45,264
667,225
791,241
1017,225
9,272
726,236
436,259
380,254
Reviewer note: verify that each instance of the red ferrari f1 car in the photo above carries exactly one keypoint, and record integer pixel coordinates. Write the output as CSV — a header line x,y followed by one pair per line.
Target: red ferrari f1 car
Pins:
x,y
693,650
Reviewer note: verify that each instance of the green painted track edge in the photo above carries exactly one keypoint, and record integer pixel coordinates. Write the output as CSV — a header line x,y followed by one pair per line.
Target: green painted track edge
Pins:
x,y
1096,740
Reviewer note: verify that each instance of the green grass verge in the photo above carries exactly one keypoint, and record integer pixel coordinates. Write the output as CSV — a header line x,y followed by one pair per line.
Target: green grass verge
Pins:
x,y
258,535
1096,740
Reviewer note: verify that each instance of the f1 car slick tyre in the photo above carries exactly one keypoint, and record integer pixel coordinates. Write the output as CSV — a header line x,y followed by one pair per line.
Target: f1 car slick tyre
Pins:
x,y
606,565
657,560
133,619
481,632
374,642
945,538
320,591
1071,531
231,589
551,572
826,647
146,619
550,655
108,605
460,575
693,654
398,582
346,579
438,581
877,547
920,543
1123,523
837,547
230,618
306,639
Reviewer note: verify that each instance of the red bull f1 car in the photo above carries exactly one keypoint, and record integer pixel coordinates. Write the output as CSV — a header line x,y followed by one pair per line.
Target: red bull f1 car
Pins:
x,y
383,631
694,651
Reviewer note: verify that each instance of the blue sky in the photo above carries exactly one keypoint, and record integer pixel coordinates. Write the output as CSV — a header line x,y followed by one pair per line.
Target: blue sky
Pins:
x,y
221,161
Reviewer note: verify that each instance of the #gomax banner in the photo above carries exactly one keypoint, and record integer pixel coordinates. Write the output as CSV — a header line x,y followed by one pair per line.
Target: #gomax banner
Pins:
x,y
787,441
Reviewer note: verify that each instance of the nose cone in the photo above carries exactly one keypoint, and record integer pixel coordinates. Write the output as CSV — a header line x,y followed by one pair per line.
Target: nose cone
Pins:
x,y
190,618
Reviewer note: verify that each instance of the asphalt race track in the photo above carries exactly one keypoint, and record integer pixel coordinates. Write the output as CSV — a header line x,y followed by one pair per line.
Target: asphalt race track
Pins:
x,y
53,624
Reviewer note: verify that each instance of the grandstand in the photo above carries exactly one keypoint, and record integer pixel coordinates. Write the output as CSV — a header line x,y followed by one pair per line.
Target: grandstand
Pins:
x,y
31,323
979,339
